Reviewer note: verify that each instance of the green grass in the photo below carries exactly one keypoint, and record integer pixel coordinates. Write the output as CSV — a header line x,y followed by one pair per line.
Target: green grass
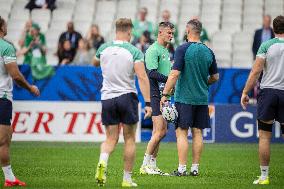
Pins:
x,y
72,165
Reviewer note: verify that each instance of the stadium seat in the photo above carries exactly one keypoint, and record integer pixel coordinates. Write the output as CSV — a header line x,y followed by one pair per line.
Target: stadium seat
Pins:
x,y
62,15
5,6
4,14
125,11
15,25
82,27
84,16
58,25
20,14
19,3
242,59
66,4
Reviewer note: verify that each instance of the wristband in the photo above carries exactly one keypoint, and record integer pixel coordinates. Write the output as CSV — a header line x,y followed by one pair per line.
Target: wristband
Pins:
x,y
147,104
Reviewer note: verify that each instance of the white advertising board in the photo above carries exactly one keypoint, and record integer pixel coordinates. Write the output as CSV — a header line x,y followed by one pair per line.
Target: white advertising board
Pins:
x,y
60,121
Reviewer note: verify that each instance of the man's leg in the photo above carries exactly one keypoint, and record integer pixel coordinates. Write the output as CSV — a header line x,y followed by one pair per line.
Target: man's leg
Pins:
x,y
129,151
159,132
182,147
107,147
197,146
265,129
5,141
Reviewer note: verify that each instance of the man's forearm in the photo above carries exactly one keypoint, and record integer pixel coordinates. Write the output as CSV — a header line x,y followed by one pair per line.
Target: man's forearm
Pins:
x,y
145,87
154,74
251,82
21,81
171,82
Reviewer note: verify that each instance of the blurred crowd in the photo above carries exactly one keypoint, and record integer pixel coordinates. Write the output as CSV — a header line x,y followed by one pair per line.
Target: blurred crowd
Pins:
x,y
75,48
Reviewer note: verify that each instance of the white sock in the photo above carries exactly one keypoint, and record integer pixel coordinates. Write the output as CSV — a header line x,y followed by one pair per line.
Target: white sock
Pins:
x,y
127,176
194,166
146,160
264,172
181,168
9,175
104,157
153,162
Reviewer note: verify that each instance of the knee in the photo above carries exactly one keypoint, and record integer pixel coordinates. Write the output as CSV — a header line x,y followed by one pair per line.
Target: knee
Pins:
x,y
5,141
196,133
160,134
112,140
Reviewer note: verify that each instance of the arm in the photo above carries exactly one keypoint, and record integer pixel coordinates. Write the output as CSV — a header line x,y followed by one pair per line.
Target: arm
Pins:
x,y
144,84
171,82
13,70
252,79
213,71
143,80
254,74
154,74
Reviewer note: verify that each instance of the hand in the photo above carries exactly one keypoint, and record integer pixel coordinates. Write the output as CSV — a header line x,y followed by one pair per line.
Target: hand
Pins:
x,y
164,100
244,100
148,112
34,90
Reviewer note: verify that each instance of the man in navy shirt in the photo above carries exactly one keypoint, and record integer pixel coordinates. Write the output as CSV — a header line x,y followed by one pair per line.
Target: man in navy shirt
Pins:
x,y
194,70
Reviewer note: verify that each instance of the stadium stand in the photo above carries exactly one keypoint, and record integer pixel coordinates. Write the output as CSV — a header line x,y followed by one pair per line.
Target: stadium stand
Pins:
x,y
230,23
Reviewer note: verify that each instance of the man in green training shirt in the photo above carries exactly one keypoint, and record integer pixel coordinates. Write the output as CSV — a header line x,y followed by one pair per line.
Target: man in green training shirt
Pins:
x,y
159,66
9,71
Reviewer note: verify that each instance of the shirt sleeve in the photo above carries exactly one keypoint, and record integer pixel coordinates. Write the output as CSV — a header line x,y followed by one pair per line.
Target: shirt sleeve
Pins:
x,y
99,51
179,58
261,53
213,67
152,58
138,56
9,55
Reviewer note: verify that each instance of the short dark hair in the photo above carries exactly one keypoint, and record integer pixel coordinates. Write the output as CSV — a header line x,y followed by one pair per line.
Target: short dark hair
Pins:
x,y
166,25
123,24
278,25
195,25
2,22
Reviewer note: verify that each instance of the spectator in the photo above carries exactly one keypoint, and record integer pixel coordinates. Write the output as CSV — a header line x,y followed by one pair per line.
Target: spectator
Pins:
x,y
34,45
25,33
34,51
70,35
263,34
166,16
141,25
144,42
204,38
95,39
66,53
41,4
83,55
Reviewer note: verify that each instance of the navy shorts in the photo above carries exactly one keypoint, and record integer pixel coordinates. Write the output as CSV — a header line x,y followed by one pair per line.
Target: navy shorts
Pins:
x,y
194,116
5,111
122,109
270,105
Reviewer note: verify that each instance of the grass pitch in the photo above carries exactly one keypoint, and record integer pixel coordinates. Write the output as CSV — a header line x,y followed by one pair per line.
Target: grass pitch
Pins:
x,y
72,165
